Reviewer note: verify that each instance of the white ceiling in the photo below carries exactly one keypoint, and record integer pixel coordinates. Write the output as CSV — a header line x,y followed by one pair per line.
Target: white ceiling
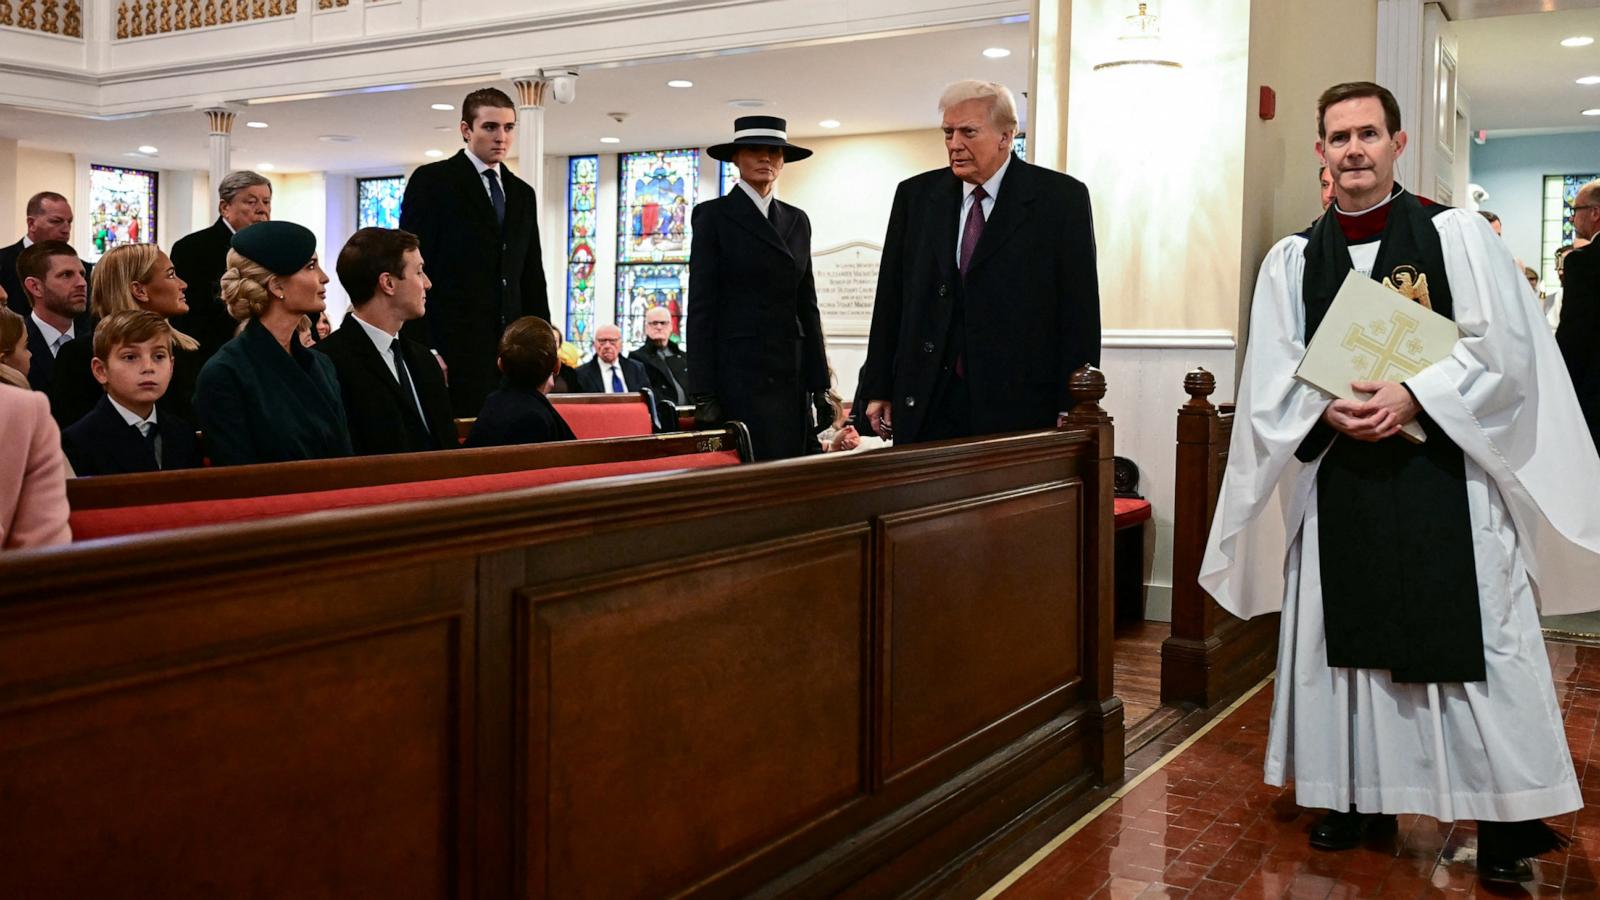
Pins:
x,y
1518,78
870,85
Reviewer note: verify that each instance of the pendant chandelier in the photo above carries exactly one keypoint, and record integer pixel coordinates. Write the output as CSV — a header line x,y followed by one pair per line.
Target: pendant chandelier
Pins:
x,y
1140,43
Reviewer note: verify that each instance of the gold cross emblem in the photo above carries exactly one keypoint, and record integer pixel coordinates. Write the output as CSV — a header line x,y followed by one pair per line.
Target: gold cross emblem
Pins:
x,y
1389,353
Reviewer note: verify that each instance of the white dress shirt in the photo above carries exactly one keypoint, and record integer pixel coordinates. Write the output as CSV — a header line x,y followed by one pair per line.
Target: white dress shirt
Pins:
x,y
145,425
605,376
482,167
26,242
383,340
990,187
761,202
53,339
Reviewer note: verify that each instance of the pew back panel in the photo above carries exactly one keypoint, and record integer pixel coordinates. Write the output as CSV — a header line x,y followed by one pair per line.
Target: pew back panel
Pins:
x,y
674,685
606,415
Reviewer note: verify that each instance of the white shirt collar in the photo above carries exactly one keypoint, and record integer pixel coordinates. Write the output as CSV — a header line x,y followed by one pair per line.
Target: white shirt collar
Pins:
x,y
381,339
26,242
480,165
761,202
51,335
990,187
1381,203
131,417
231,229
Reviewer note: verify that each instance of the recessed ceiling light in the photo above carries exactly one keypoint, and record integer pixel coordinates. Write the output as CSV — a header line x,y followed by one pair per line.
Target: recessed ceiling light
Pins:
x,y
337,138
443,107
433,154
1581,40
997,53
444,128
1589,79
610,140
255,125
750,103
265,167
829,123
1592,112
148,149
680,83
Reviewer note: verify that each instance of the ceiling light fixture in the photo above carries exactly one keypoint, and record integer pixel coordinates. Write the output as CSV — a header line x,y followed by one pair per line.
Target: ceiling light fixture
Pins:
x,y
997,53
1592,112
147,149
610,140
1581,40
443,107
255,125
265,167
1589,79
750,103
433,154
829,123
1140,43
680,83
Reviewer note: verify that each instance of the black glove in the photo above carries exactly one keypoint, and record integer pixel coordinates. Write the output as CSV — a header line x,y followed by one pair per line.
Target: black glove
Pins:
x,y
707,412
819,402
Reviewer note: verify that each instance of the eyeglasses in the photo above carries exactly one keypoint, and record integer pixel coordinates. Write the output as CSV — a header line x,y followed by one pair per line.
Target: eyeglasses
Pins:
x,y
1586,206
608,340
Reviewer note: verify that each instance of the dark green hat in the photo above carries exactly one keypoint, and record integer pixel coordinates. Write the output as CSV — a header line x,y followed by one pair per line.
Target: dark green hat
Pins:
x,y
283,247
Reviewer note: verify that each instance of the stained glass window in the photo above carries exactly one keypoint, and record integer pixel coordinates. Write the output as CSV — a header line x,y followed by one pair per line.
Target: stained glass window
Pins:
x,y
730,176
656,192
1560,192
642,286
583,179
378,201
122,208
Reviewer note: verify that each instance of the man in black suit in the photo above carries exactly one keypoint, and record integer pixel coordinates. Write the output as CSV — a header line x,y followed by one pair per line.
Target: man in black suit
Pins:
x,y
609,372
49,218
755,334
479,226
987,296
667,365
1578,335
58,298
394,395
244,198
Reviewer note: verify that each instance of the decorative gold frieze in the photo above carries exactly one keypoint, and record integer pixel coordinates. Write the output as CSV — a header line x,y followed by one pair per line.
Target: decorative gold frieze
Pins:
x,y
72,25
6,13
50,23
144,18
29,18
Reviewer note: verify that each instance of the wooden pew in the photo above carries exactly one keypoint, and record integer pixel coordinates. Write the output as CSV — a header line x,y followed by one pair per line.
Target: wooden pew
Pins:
x,y
1212,655
838,676
597,415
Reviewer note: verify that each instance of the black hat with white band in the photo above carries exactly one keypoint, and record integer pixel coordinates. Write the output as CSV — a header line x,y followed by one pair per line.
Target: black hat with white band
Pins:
x,y
759,131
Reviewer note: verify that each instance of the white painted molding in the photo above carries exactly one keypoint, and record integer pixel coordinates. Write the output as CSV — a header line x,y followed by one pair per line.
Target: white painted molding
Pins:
x,y
1168,338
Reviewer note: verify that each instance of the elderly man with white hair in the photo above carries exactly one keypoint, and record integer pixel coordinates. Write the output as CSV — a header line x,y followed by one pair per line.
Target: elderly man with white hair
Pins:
x,y
987,296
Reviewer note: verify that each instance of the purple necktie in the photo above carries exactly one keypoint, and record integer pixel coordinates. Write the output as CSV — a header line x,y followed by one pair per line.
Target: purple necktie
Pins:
x,y
974,229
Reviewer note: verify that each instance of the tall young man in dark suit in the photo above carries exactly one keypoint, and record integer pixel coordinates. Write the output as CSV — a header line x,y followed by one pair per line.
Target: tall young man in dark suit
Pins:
x,y
58,299
394,395
987,298
478,224
49,218
756,351
609,372
243,199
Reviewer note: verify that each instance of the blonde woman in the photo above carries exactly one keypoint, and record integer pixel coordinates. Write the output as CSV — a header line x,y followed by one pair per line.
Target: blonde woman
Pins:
x,y
263,396
14,355
128,277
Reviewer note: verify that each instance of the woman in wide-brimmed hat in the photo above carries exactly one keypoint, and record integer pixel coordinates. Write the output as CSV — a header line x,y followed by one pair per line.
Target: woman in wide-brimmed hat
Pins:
x,y
755,343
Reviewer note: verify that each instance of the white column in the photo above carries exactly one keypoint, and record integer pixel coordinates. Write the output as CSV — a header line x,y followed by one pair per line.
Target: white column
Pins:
x,y
220,121
531,93
1051,49
1400,57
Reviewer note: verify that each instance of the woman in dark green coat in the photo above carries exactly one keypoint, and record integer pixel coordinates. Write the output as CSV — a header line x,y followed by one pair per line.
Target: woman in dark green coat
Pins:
x,y
263,397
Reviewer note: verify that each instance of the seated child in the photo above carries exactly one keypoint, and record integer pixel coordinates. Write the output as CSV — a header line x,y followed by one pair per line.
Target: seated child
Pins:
x,y
123,433
519,412
14,355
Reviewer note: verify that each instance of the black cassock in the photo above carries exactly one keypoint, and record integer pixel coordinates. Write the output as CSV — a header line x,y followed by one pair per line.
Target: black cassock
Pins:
x,y
755,335
1399,582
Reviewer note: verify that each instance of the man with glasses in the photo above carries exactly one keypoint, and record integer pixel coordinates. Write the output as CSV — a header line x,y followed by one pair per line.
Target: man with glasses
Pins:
x,y
609,372
1579,313
668,365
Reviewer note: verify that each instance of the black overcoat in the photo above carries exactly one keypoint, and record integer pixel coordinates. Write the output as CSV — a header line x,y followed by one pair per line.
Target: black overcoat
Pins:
x,y
1579,332
1030,303
200,259
514,415
382,417
755,336
484,275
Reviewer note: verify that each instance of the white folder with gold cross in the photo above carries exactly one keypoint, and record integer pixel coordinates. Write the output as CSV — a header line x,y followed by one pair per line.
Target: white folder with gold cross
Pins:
x,y
1374,333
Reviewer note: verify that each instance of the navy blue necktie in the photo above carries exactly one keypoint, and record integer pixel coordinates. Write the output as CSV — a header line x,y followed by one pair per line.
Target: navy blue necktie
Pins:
x,y
406,389
616,380
496,195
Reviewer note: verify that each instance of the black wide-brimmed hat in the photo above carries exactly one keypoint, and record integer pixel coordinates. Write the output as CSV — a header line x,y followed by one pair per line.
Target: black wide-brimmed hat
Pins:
x,y
759,131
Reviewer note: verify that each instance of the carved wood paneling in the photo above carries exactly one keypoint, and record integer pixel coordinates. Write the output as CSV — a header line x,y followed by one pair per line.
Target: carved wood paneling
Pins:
x,y
145,18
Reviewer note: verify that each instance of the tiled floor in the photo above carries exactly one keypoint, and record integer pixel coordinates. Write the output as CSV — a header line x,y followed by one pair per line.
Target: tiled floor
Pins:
x,y
1204,826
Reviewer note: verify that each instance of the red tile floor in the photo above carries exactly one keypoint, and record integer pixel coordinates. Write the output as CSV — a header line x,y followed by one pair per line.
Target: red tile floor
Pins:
x,y
1205,826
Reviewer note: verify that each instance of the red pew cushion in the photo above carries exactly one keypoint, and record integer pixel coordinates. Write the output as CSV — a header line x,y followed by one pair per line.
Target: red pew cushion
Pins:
x,y
97,523
604,420
1126,511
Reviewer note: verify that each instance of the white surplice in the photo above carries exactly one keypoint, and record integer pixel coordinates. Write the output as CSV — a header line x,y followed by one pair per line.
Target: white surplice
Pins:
x,y
1491,750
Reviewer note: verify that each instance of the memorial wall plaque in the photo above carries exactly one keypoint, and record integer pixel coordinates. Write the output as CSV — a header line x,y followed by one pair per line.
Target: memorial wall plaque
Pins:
x,y
847,278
